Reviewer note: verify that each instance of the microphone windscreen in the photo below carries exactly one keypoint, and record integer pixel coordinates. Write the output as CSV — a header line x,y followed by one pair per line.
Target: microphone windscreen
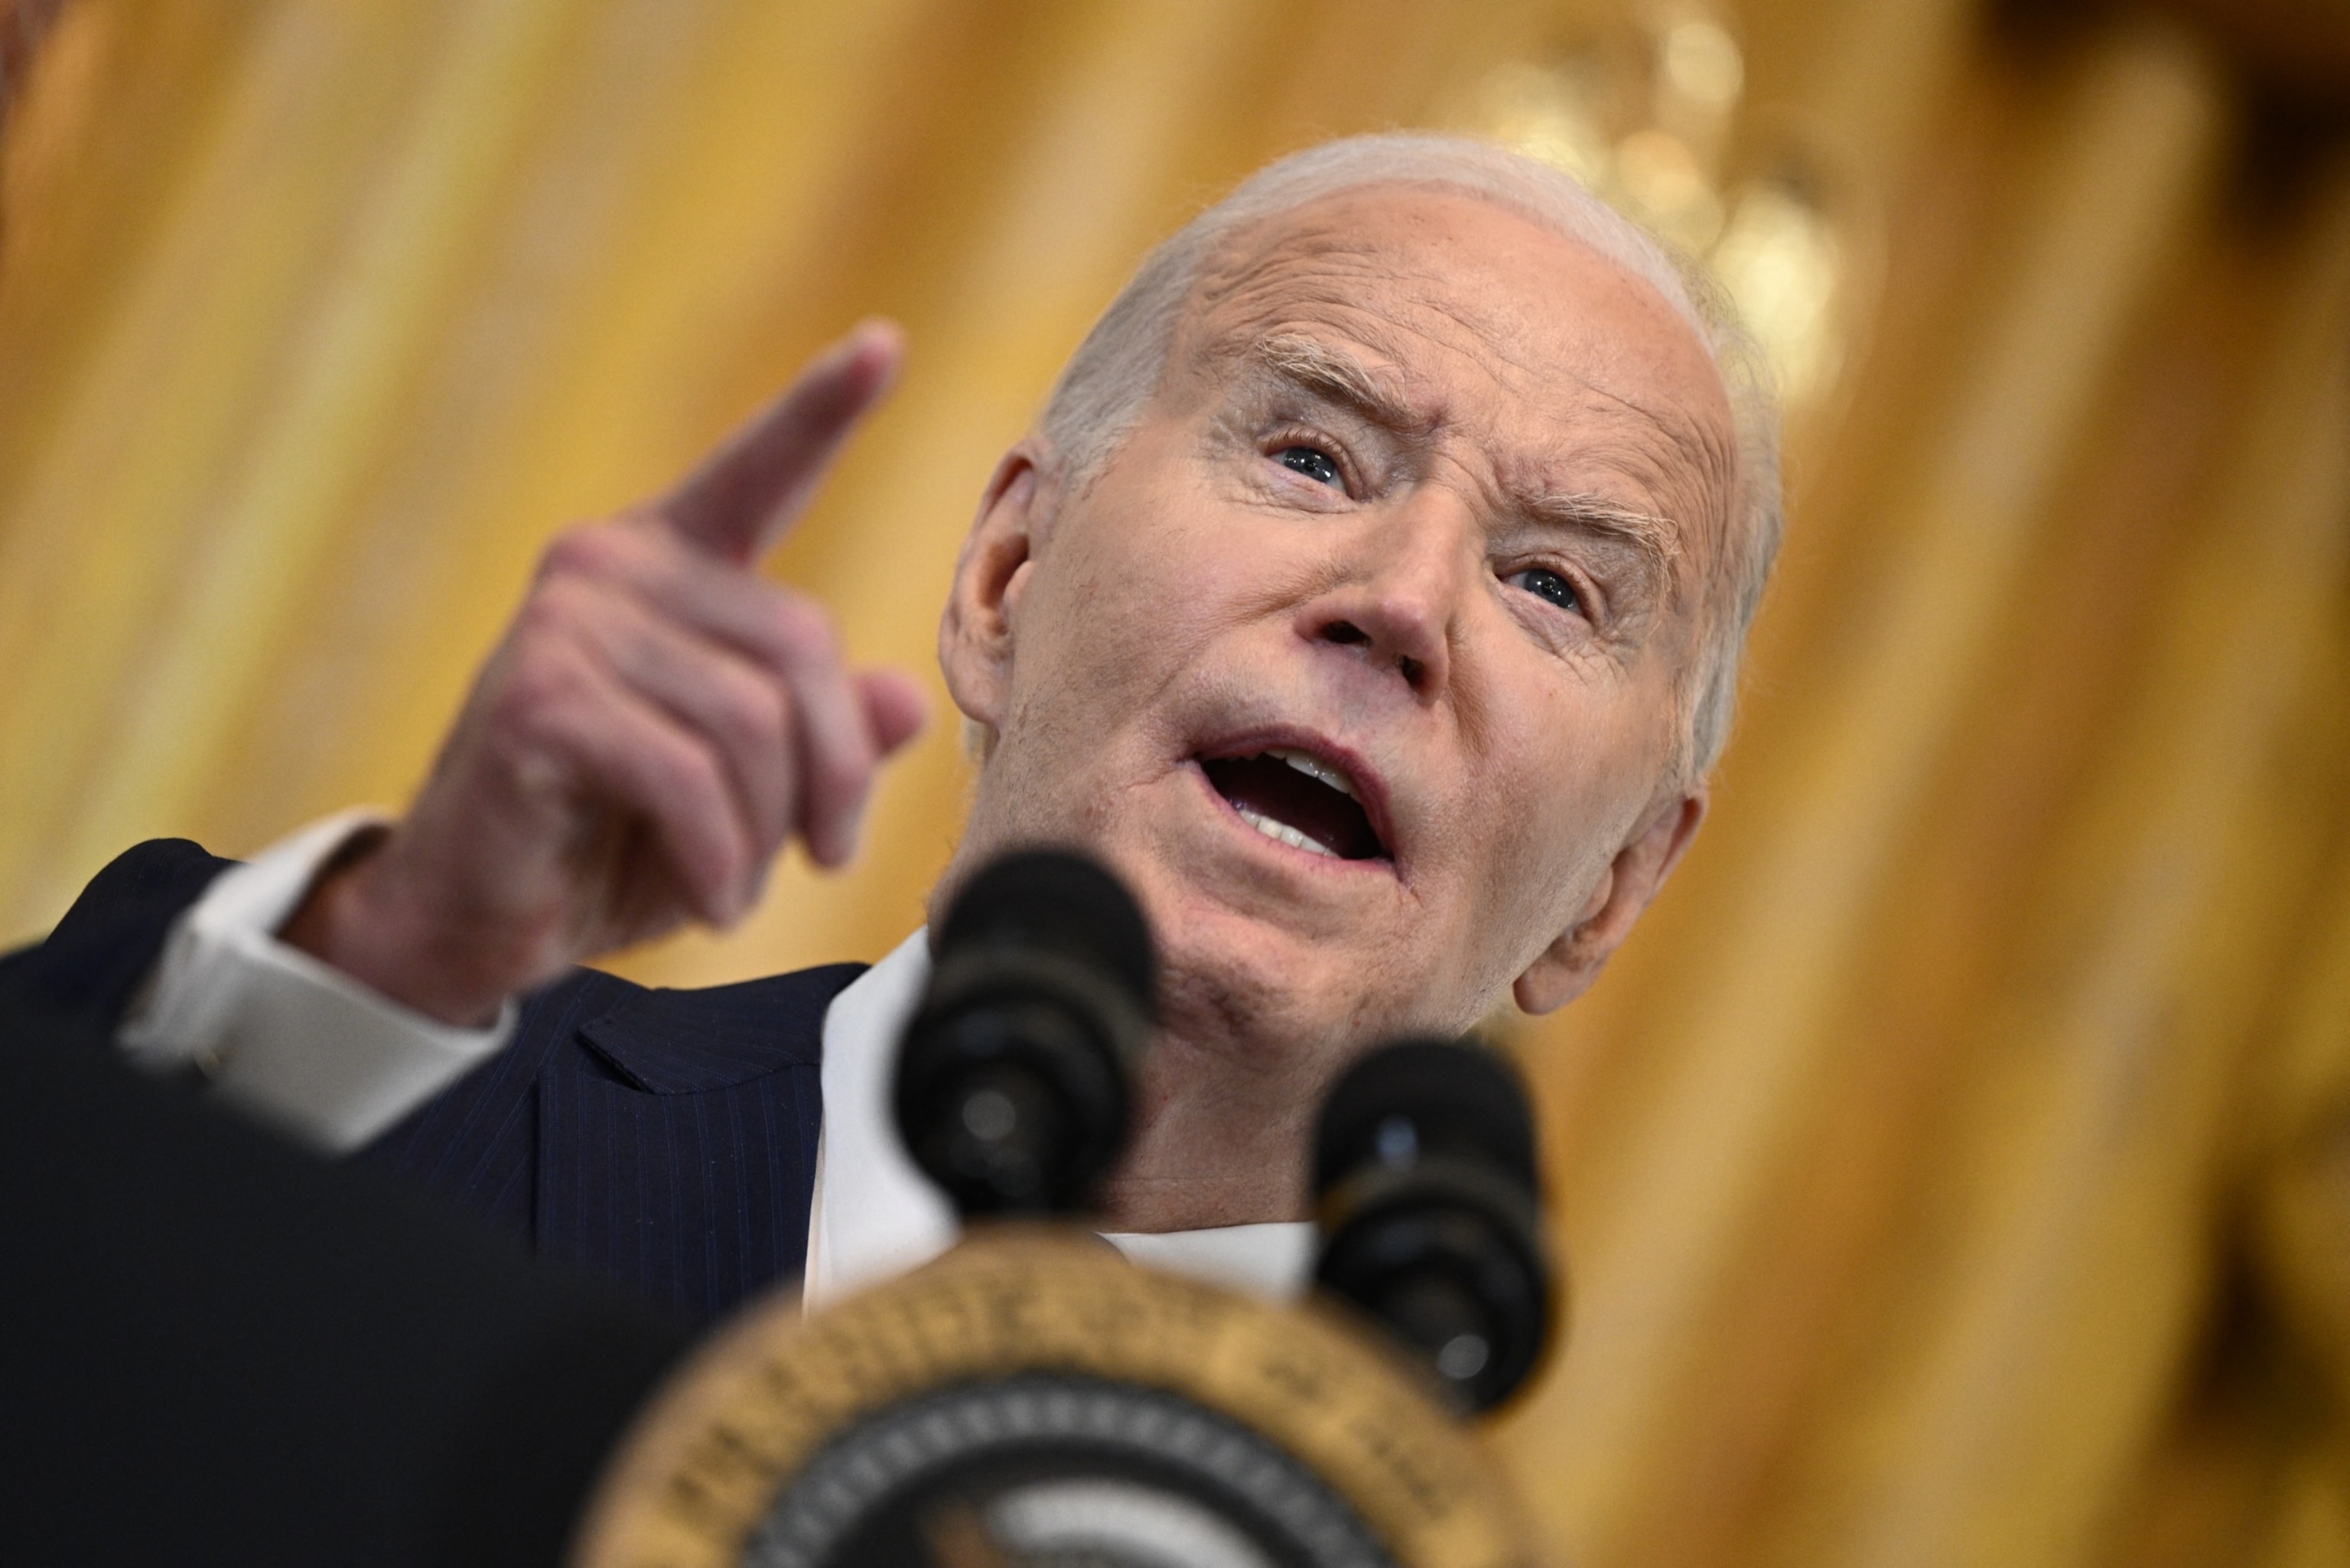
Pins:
x,y
1421,1097
1059,902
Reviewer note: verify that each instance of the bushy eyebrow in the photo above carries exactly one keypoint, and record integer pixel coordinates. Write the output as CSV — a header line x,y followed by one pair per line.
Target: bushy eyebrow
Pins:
x,y
1654,539
1316,367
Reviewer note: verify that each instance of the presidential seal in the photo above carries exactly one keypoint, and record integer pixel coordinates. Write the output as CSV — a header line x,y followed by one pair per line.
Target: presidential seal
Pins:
x,y
1032,1398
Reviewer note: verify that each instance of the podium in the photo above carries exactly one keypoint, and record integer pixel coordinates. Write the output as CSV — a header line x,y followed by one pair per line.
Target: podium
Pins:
x,y
1032,1397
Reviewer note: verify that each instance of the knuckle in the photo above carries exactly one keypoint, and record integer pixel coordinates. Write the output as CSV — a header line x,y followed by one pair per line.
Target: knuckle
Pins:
x,y
533,699
842,774
805,632
696,775
558,607
757,713
579,550
598,551
529,673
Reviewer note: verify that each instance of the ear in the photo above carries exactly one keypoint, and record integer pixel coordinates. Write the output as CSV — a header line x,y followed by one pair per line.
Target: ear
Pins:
x,y
1568,966
975,632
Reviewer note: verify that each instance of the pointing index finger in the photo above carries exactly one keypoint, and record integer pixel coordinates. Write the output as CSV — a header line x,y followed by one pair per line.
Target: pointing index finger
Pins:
x,y
746,495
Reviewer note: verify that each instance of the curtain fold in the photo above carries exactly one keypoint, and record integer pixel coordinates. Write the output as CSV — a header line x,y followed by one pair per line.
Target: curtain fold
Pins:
x,y
1955,1168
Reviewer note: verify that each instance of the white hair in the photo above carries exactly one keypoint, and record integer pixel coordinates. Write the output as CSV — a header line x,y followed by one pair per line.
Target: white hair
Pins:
x,y
1104,388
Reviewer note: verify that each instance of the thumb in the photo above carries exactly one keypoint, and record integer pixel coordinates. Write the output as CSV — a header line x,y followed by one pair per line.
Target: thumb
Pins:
x,y
894,707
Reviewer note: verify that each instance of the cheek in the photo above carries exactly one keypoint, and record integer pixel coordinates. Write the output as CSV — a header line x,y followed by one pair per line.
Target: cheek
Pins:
x,y
1559,794
1137,592
1546,845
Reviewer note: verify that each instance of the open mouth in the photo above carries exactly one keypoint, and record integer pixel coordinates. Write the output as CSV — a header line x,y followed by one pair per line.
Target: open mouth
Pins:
x,y
1296,798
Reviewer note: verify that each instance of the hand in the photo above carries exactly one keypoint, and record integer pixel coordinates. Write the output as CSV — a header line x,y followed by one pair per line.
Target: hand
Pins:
x,y
657,721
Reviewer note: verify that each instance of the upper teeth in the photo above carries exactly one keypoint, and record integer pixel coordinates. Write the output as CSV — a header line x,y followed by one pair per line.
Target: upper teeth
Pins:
x,y
1316,768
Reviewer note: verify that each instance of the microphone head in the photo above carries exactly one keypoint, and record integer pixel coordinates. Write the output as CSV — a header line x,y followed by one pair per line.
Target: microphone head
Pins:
x,y
1428,1198
1057,902
1417,1098
1015,1076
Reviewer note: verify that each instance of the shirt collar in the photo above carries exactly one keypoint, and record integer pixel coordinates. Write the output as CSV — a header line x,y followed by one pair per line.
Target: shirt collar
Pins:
x,y
875,1215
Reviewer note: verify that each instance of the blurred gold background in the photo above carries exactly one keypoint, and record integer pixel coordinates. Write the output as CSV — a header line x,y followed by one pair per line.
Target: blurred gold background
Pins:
x,y
1956,1166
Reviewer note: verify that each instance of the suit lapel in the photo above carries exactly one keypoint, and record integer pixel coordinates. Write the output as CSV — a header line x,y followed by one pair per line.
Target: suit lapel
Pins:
x,y
677,1135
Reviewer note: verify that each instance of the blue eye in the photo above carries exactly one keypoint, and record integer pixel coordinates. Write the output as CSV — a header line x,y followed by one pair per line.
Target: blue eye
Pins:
x,y
1314,464
1549,586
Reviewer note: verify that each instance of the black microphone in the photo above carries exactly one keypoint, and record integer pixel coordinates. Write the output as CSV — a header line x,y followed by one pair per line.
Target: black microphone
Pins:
x,y
1427,1195
1016,1078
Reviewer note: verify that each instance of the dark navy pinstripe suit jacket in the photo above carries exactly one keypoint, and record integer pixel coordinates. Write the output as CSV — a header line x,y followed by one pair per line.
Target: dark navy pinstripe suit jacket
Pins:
x,y
662,1139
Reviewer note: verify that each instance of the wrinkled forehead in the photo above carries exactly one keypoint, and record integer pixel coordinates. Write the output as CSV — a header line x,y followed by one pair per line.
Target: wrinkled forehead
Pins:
x,y
1476,319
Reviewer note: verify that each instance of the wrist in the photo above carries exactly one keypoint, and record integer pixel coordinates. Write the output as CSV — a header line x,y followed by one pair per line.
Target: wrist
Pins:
x,y
354,920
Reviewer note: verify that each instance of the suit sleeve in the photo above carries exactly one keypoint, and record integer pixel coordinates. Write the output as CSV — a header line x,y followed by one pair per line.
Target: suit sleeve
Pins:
x,y
220,1349
89,971
204,983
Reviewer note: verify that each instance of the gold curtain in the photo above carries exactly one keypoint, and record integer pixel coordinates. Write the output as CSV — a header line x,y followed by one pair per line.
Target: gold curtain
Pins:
x,y
1956,1168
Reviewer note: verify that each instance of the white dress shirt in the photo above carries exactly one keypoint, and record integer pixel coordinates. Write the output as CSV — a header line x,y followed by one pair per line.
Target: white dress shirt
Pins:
x,y
875,1215
284,1037
306,1047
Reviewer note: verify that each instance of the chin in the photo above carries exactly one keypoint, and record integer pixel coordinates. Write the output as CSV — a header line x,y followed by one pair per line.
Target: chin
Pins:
x,y
1224,992
1249,979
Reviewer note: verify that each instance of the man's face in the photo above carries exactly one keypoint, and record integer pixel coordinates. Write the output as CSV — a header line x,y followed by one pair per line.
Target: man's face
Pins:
x,y
1416,512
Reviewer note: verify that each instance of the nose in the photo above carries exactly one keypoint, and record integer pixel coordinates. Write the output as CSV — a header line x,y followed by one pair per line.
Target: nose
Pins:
x,y
1406,574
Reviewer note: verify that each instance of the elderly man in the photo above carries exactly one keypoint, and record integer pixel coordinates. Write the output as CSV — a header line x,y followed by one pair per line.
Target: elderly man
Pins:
x,y
1369,595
